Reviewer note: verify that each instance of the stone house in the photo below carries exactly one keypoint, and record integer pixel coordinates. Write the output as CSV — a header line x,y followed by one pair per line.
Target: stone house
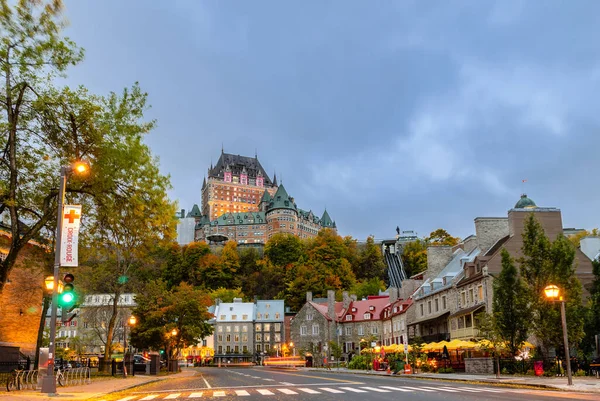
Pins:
x,y
395,328
234,330
269,325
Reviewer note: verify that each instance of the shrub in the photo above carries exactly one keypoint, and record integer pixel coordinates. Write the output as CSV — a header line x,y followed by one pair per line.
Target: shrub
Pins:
x,y
358,362
446,370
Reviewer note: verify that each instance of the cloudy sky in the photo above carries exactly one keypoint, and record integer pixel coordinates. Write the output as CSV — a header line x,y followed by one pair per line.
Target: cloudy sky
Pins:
x,y
417,114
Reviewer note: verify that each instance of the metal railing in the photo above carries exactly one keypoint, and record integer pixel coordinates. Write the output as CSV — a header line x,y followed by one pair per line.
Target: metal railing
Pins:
x,y
77,376
22,380
31,380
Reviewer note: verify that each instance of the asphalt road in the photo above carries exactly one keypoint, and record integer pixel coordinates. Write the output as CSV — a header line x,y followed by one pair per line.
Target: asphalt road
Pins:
x,y
271,384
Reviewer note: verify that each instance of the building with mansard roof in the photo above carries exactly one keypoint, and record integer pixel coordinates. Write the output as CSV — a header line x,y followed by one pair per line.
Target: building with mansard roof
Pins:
x,y
241,203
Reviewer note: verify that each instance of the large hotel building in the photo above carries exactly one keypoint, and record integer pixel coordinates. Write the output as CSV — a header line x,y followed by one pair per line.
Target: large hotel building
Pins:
x,y
241,203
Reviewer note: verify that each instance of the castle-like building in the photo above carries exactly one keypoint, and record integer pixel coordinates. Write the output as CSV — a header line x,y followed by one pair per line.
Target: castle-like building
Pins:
x,y
241,203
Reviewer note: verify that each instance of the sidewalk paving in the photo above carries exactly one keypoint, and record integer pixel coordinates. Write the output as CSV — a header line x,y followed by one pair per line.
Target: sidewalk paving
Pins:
x,y
584,384
97,388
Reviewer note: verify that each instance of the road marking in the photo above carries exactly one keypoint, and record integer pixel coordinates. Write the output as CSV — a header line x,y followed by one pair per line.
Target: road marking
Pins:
x,y
242,392
320,378
354,390
287,391
308,390
286,384
485,389
206,381
331,390
395,388
442,389
264,391
195,395
463,389
269,380
171,396
419,389
131,397
219,394
150,397
378,390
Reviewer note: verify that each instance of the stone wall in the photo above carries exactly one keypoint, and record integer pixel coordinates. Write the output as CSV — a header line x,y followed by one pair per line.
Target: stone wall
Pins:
x,y
479,365
489,230
437,258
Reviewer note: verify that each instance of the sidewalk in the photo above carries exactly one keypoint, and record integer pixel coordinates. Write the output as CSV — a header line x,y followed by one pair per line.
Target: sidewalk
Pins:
x,y
585,384
97,388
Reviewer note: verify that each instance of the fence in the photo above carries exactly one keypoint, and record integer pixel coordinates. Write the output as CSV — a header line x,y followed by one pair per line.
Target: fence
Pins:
x,y
31,380
552,366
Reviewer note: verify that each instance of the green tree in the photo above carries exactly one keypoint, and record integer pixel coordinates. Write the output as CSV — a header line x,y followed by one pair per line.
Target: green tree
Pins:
x,y
493,339
592,318
512,316
282,249
371,264
545,263
160,311
414,257
226,294
364,288
576,238
32,53
249,258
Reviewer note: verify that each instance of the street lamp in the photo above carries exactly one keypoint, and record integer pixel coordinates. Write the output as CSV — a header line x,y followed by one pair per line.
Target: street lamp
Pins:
x,y
131,322
552,292
293,349
49,382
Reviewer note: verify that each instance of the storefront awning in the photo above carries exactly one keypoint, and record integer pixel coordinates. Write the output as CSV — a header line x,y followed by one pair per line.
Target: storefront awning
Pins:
x,y
466,311
432,319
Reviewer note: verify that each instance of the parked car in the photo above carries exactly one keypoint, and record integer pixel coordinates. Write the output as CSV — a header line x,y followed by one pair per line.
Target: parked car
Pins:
x,y
139,363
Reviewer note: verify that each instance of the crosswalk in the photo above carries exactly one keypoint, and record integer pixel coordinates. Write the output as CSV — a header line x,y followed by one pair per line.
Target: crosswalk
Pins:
x,y
216,393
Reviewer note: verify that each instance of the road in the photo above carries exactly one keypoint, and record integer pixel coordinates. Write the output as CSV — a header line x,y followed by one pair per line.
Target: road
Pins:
x,y
271,384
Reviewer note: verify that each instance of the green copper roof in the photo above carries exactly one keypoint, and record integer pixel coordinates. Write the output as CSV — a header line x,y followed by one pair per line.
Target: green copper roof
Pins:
x,y
238,219
281,200
525,203
195,212
266,197
326,220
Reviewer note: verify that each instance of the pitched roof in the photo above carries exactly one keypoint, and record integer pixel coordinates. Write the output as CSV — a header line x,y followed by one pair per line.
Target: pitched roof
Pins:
x,y
266,197
240,218
326,220
281,200
236,165
322,308
374,305
195,212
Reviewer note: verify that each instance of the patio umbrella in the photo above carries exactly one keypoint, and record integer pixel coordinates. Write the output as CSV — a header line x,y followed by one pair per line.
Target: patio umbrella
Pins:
x,y
461,344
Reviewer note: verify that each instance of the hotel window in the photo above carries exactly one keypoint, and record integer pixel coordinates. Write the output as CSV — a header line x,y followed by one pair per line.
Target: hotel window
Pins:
x,y
468,321
428,306
315,329
422,309
233,317
277,337
348,317
258,327
277,326
444,302
228,337
360,331
228,348
303,330
244,317
236,328
222,317
258,348
374,330
348,331
266,315
259,337
236,338
244,338
220,329
309,316
480,293
245,349
463,299
220,349
244,329
236,349
228,329
437,305
220,337
267,327
367,316
471,298
277,315
267,338
258,316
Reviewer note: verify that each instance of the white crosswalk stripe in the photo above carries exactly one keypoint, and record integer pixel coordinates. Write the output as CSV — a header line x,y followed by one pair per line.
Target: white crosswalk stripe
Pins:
x,y
490,390
219,394
468,390
419,389
352,389
286,391
265,392
195,395
150,397
172,396
242,392
308,390
331,390
441,389
131,397
377,390
396,388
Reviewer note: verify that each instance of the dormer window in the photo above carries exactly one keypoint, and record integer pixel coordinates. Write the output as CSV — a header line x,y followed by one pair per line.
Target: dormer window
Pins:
x,y
444,280
258,316
371,308
395,309
367,316
348,317
353,309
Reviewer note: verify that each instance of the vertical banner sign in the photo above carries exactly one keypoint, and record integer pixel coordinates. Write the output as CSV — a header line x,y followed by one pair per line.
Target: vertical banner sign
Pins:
x,y
70,234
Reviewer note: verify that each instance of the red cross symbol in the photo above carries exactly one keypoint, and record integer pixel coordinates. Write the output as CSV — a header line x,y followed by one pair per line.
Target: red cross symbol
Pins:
x,y
72,215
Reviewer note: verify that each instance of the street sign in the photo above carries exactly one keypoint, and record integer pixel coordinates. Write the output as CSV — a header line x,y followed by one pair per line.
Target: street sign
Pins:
x,y
406,348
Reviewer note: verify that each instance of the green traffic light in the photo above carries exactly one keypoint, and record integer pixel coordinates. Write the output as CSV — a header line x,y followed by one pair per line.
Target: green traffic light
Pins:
x,y
67,297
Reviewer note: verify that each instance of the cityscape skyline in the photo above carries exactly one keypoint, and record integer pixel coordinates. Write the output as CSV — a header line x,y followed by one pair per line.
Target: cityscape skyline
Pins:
x,y
386,116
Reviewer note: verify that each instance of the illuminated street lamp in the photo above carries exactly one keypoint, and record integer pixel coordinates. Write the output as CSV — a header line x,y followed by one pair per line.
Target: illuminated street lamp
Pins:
x,y
49,381
293,349
552,293
131,322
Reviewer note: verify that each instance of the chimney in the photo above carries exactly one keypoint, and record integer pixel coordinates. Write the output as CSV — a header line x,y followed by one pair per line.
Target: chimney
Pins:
x,y
237,300
353,297
346,299
489,230
393,294
331,304
182,213
437,258
308,296
217,301
470,243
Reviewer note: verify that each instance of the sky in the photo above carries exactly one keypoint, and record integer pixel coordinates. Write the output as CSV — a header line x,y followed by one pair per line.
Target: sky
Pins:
x,y
411,114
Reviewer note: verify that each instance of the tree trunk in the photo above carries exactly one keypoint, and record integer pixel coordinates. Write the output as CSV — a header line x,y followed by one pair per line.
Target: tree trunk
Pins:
x,y
497,366
40,337
111,327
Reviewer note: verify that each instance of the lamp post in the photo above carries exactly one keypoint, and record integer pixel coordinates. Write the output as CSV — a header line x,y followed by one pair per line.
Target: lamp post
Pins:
x,y
552,292
49,381
131,322
173,334
293,349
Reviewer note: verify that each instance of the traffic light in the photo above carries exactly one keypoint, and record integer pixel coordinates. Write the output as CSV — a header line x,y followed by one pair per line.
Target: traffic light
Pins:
x,y
66,299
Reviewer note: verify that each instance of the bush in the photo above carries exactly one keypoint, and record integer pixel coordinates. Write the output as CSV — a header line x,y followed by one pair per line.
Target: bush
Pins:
x,y
425,368
446,370
358,362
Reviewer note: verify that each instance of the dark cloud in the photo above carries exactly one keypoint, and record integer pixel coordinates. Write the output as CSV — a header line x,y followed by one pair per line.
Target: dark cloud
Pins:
x,y
417,114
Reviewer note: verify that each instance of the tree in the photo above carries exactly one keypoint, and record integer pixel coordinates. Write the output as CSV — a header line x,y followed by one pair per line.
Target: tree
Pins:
x,y
441,237
511,313
32,53
364,288
282,249
592,318
371,264
160,311
493,340
414,257
576,238
545,263
226,294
